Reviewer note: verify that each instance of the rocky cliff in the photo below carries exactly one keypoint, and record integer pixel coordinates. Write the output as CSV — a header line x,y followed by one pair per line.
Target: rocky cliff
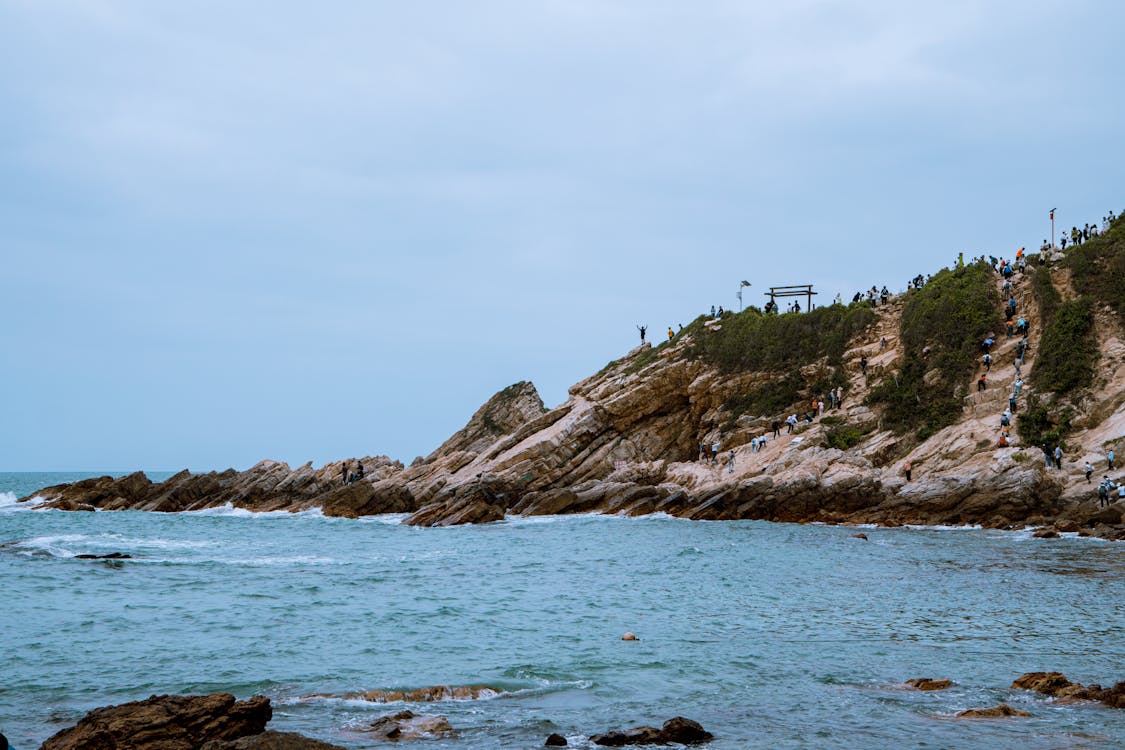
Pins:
x,y
628,439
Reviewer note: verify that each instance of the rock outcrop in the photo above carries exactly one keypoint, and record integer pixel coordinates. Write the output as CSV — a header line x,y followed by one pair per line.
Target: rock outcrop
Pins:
x,y
1056,685
165,722
627,441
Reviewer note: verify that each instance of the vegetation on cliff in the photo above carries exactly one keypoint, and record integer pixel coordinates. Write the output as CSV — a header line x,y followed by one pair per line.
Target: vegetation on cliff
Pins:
x,y
942,326
753,341
1097,267
1068,349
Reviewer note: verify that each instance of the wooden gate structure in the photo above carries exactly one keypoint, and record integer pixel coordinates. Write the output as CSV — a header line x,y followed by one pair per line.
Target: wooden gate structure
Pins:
x,y
794,290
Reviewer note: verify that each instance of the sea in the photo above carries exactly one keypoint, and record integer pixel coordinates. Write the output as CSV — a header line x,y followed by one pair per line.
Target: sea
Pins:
x,y
770,635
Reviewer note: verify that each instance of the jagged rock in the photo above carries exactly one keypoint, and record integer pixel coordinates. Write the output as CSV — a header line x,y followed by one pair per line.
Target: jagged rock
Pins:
x,y
1066,525
925,683
860,536
995,712
271,741
555,740
1046,534
407,725
165,722
684,731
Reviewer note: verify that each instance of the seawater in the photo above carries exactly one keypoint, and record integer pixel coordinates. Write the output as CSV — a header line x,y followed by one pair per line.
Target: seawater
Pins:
x,y
770,635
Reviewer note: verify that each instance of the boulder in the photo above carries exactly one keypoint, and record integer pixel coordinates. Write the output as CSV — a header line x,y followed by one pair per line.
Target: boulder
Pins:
x,y
1110,516
1066,525
555,740
407,725
684,731
925,683
995,712
165,722
1046,534
271,741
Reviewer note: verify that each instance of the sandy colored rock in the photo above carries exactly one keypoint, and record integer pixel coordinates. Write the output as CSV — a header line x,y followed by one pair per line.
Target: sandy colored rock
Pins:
x,y
431,694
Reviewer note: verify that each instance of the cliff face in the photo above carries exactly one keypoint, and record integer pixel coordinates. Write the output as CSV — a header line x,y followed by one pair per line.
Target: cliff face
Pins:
x,y
627,440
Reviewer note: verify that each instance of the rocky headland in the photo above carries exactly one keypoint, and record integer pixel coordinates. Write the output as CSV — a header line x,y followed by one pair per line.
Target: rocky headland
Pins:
x,y
628,439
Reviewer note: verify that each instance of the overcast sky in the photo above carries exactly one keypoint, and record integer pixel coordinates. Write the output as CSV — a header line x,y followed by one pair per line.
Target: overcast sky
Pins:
x,y
307,231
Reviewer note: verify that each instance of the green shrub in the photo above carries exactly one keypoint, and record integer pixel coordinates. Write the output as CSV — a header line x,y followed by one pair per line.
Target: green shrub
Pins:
x,y
843,437
941,329
1068,349
1040,423
1048,297
752,341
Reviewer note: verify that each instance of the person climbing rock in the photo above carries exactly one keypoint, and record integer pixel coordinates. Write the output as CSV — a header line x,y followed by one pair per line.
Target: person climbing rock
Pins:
x,y
671,333
1089,471
863,365
1110,458
730,463
982,382
906,469
839,396
776,427
791,420
1058,456
1003,441
986,360
642,329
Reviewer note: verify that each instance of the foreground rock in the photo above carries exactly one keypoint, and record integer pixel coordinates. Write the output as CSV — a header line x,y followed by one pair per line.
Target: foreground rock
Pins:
x,y
996,712
110,556
1056,685
679,730
407,725
925,683
165,722
271,741
555,740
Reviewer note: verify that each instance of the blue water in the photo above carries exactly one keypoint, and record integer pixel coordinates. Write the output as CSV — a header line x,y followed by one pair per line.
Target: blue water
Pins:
x,y
770,635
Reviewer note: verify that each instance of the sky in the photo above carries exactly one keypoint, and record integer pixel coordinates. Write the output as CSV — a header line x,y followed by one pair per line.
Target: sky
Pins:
x,y
236,231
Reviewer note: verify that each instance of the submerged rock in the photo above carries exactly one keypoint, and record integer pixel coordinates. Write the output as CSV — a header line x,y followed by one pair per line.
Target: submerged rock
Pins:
x,y
555,740
407,725
271,741
995,712
165,722
679,730
110,556
421,695
925,683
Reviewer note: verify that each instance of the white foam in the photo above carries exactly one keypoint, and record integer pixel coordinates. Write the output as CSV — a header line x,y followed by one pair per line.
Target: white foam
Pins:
x,y
231,511
391,519
9,504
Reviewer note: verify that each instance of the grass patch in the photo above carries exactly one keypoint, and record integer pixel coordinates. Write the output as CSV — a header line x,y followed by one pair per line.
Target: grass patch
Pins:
x,y
941,329
752,341
1068,349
